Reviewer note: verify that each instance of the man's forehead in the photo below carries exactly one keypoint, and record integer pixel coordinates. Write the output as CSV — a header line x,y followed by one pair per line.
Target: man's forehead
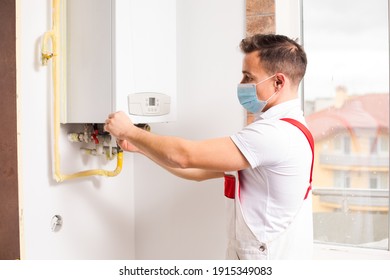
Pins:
x,y
251,63
254,56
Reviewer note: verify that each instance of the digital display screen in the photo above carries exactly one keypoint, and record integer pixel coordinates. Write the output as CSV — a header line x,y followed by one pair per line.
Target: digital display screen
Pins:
x,y
152,101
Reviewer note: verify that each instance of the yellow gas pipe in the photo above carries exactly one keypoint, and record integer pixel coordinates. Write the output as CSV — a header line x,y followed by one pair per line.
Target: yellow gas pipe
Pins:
x,y
54,35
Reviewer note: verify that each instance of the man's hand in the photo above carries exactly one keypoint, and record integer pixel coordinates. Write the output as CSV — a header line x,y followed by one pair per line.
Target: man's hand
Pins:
x,y
119,125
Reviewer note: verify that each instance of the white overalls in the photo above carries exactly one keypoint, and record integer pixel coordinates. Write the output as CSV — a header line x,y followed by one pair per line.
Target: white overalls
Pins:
x,y
292,243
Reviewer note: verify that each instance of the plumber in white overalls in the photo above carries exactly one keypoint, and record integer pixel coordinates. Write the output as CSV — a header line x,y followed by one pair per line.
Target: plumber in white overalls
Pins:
x,y
267,165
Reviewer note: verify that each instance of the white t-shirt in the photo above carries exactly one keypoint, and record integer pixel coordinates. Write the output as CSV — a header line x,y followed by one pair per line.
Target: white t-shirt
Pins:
x,y
273,189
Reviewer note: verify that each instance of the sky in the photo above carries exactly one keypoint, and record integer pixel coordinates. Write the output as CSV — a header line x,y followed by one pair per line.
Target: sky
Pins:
x,y
347,44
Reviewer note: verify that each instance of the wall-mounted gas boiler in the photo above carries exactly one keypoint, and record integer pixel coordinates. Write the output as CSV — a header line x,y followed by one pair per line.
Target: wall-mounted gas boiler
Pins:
x,y
107,56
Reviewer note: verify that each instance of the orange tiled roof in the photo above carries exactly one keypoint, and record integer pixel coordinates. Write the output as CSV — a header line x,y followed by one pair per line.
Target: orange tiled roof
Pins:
x,y
367,111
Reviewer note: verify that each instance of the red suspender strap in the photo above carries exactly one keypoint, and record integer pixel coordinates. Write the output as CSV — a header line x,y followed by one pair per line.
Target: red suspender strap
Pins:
x,y
309,138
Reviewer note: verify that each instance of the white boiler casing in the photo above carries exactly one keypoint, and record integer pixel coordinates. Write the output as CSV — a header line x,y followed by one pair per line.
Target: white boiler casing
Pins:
x,y
114,49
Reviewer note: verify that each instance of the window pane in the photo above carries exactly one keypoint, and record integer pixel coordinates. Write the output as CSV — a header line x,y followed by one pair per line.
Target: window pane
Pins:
x,y
346,91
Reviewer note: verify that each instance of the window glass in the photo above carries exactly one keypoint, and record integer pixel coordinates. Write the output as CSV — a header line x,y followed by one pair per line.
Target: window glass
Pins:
x,y
346,93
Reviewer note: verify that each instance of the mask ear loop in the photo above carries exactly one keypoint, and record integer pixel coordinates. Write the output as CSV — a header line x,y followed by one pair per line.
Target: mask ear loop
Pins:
x,y
277,88
269,98
266,79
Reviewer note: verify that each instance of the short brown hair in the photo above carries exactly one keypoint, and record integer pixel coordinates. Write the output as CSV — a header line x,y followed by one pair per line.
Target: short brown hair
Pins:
x,y
278,53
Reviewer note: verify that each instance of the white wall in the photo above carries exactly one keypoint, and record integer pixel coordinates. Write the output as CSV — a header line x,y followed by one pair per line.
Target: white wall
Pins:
x,y
178,219
288,18
144,213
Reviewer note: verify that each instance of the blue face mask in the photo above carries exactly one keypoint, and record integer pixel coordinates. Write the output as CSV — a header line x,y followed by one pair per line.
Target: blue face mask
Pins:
x,y
247,95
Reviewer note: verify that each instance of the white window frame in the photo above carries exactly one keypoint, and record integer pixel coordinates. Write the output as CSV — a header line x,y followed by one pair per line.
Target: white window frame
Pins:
x,y
288,17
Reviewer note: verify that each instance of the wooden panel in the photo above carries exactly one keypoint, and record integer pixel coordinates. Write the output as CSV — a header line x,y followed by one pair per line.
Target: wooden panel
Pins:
x,y
9,217
260,16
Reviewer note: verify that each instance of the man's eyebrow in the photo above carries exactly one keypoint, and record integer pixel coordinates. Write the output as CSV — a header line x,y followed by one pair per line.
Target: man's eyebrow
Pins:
x,y
246,72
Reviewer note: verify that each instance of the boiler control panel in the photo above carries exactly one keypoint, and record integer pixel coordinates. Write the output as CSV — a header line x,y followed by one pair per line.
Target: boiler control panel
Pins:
x,y
149,104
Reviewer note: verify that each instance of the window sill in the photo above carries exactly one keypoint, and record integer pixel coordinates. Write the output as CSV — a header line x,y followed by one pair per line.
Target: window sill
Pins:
x,y
334,252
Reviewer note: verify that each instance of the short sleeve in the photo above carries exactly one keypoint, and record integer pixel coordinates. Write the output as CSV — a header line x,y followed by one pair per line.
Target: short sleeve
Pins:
x,y
262,143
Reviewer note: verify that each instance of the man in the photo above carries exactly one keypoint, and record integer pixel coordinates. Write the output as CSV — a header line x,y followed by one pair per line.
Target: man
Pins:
x,y
272,218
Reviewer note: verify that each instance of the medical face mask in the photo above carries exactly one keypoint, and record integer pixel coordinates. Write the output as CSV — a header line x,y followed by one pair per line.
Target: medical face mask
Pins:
x,y
247,95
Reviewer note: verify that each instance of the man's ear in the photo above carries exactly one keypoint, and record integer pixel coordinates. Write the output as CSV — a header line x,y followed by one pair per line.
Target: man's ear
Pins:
x,y
280,81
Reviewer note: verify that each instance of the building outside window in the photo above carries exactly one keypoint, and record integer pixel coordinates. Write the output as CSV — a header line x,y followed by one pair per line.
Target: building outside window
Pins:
x,y
346,97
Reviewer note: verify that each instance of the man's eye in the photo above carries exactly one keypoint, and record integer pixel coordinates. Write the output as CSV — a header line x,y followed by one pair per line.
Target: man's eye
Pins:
x,y
247,79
